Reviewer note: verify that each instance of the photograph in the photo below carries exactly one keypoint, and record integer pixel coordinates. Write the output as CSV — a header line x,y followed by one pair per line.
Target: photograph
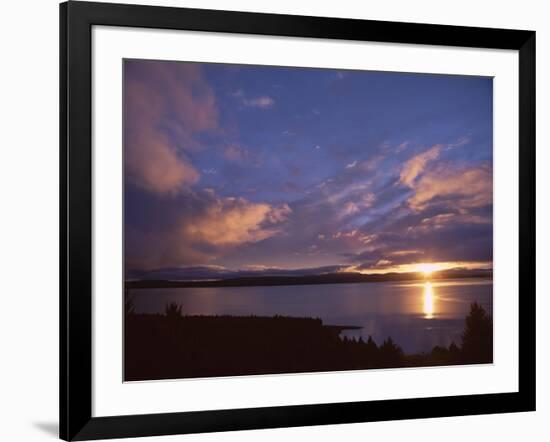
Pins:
x,y
284,219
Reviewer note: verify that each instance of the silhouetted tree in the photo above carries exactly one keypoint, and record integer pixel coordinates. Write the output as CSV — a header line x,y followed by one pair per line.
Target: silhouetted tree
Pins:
x,y
454,353
439,354
173,311
371,345
391,354
371,352
453,348
129,306
477,339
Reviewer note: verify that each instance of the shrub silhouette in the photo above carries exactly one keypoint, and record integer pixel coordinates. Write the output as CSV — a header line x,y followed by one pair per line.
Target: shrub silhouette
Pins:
x,y
173,311
477,339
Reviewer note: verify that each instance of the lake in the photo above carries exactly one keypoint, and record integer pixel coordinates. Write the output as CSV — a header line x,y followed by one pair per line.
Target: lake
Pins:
x,y
417,315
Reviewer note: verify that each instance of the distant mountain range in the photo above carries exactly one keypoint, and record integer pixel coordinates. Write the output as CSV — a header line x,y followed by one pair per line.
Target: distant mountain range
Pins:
x,y
209,277
197,273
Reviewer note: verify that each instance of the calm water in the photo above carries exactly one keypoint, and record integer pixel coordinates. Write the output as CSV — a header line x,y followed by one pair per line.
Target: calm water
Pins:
x,y
417,315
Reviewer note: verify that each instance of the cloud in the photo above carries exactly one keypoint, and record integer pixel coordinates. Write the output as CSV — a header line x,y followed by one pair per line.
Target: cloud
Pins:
x,y
466,188
445,215
441,231
152,163
357,199
406,253
194,228
383,263
147,249
460,142
260,102
233,153
374,202
263,102
165,105
234,221
401,147
415,166
372,164
368,199
239,154
349,234
454,241
442,220
350,208
353,190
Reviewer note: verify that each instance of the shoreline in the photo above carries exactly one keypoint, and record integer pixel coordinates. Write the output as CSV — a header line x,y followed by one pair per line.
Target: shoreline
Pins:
x,y
175,346
325,279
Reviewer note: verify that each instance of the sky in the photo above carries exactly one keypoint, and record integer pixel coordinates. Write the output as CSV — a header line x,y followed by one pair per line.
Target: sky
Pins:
x,y
262,168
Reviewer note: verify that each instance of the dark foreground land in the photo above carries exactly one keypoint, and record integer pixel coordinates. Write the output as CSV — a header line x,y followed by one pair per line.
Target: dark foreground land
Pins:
x,y
171,346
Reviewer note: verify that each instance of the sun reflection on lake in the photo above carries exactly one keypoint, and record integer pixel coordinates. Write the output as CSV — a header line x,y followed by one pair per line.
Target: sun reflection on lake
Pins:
x,y
429,300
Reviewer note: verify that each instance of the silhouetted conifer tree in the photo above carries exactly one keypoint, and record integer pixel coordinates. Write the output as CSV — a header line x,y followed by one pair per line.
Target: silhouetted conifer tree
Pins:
x,y
371,345
477,339
390,353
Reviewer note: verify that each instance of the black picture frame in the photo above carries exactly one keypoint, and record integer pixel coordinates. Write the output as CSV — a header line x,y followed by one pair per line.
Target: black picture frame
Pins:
x,y
76,21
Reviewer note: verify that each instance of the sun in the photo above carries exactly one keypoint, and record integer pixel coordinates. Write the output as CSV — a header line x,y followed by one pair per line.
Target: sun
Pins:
x,y
427,268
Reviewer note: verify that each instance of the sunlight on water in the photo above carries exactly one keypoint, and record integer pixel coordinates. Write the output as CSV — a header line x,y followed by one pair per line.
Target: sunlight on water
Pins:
x,y
429,299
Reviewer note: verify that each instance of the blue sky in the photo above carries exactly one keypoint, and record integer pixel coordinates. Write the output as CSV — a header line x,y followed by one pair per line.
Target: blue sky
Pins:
x,y
259,167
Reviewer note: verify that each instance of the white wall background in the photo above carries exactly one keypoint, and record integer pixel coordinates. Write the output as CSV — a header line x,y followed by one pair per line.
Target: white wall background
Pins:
x,y
29,218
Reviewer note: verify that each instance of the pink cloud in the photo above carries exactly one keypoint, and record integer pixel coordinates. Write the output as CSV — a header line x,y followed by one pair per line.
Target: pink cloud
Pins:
x,y
416,165
401,147
237,154
153,164
176,95
406,252
372,164
207,227
368,199
263,102
350,208
468,188
234,221
383,263
349,234
241,155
